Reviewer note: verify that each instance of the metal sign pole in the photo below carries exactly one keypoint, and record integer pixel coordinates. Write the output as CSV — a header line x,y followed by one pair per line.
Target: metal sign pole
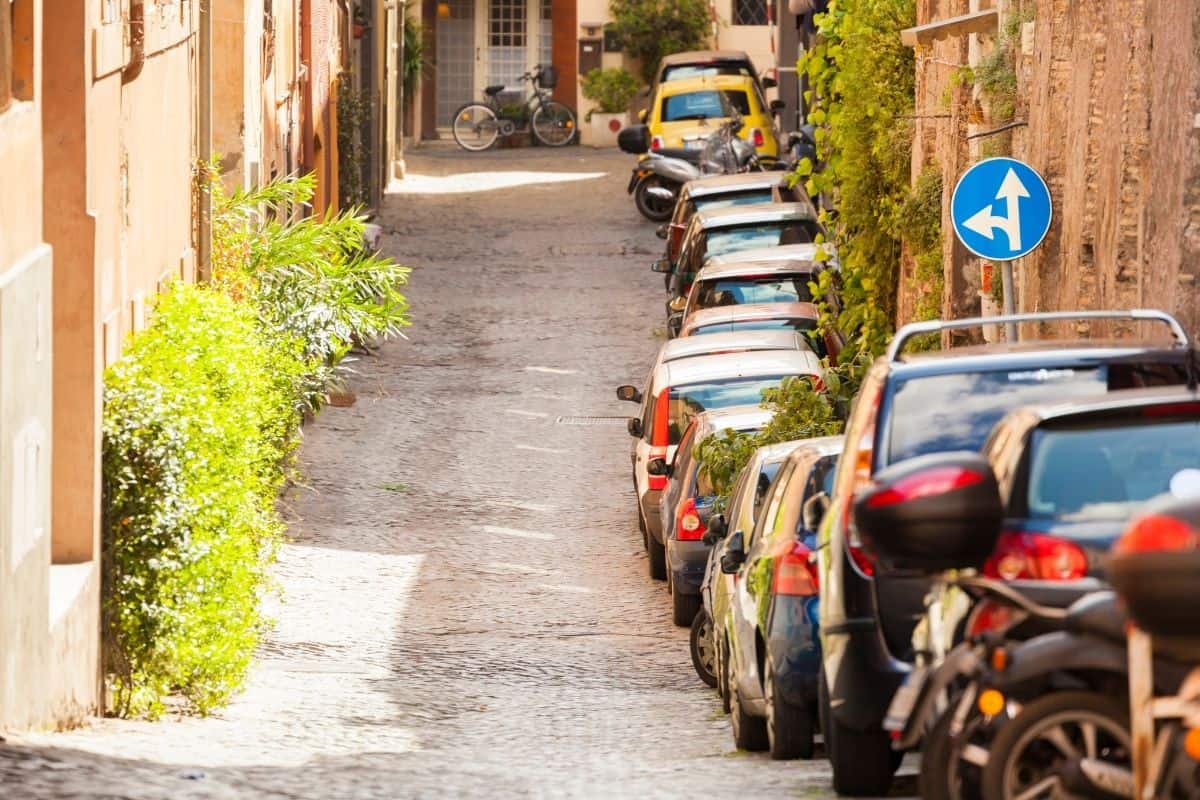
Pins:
x,y
1010,300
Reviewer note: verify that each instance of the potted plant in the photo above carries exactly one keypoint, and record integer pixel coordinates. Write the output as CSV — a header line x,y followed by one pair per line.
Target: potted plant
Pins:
x,y
611,90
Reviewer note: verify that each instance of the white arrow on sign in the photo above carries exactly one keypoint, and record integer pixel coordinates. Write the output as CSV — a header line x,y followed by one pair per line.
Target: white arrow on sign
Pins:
x,y
983,223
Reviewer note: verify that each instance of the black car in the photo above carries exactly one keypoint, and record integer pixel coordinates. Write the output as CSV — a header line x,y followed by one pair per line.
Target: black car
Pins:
x,y
914,405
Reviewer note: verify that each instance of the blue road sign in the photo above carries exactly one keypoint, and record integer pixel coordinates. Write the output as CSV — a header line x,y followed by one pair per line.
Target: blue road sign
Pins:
x,y
1001,209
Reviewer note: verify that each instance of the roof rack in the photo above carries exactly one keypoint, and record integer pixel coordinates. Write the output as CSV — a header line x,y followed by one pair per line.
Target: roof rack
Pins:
x,y
936,325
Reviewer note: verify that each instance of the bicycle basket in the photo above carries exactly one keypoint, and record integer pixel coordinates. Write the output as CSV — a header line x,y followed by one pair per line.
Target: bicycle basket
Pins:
x,y
548,77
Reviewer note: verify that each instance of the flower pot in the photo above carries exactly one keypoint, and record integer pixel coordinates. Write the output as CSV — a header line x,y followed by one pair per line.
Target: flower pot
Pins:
x,y
605,127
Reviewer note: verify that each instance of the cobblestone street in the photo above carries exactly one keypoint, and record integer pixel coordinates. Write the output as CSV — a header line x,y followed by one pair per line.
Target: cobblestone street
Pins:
x,y
465,609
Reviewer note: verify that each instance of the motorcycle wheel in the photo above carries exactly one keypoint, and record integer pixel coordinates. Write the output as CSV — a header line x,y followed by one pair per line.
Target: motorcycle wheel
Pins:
x,y
651,207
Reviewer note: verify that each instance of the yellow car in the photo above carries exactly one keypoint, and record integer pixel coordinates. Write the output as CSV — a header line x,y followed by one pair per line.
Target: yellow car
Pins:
x,y
686,111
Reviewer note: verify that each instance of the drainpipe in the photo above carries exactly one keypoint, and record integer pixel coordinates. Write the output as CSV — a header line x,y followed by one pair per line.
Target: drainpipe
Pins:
x,y
137,41
204,141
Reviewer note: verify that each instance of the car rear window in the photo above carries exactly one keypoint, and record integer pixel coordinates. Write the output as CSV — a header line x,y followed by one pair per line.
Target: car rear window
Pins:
x,y
1104,473
732,199
705,104
721,241
795,323
684,71
754,289
691,399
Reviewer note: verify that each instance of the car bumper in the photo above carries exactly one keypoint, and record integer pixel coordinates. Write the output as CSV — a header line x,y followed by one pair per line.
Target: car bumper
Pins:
x,y
687,562
794,645
862,675
650,501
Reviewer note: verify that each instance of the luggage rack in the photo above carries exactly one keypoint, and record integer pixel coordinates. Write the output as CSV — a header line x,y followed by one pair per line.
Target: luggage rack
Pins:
x,y
914,329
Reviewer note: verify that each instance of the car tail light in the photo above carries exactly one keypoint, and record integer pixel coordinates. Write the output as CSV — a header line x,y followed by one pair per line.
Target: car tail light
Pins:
x,y
988,615
795,574
1035,556
659,437
1157,532
863,560
757,138
927,483
656,143
688,525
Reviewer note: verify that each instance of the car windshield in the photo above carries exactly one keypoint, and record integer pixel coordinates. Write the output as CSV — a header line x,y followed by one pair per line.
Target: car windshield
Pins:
x,y
689,400
1105,473
684,71
940,413
729,200
705,104
754,289
721,241
795,323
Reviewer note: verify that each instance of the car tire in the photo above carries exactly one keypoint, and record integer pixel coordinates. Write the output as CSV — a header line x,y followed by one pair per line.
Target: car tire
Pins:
x,y
656,556
684,607
933,782
789,726
652,208
863,761
704,651
749,733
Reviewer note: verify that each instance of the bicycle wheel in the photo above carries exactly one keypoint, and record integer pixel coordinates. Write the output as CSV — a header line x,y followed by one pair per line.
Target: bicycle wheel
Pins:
x,y
475,127
554,124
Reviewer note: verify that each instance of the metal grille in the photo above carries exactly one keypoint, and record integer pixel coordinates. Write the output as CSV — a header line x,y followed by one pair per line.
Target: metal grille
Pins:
x,y
749,12
456,59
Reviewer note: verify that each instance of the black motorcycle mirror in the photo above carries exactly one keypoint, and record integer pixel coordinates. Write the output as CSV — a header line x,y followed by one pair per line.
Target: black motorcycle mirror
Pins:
x,y
634,139
932,513
734,555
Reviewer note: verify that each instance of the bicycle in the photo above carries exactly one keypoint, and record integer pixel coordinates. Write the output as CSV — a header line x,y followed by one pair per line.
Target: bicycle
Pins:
x,y
478,125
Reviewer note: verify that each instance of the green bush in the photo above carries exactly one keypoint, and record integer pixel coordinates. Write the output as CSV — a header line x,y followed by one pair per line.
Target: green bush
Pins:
x,y
651,29
610,89
199,424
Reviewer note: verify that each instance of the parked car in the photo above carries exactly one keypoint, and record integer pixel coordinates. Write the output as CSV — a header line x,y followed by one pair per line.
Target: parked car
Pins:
x,y
706,63
769,638
715,192
730,230
687,503
684,112
913,405
756,316
734,342
675,392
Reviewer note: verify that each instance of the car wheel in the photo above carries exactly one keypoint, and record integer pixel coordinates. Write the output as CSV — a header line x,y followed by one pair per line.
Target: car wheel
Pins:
x,y
947,771
704,651
789,726
1030,752
657,558
863,762
749,733
684,607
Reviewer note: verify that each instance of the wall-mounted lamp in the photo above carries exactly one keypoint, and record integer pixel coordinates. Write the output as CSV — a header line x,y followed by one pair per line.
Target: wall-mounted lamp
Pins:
x,y
591,28
443,10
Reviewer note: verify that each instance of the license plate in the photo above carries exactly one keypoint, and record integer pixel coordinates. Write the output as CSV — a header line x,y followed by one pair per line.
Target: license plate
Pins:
x,y
905,699
693,144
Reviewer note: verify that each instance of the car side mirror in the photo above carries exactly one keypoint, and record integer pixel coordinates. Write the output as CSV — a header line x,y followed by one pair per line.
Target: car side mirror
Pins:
x,y
661,231
678,303
661,265
634,139
769,83
777,106
659,468
735,554
629,393
644,113
674,324
814,511
716,526
634,426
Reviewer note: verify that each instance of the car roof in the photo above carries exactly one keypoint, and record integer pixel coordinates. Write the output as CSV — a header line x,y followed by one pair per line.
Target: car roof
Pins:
x,y
1024,355
759,212
775,453
738,418
702,57
1113,401
819,446
731,269
762,363
738,181
703,82
750,312
783,252
693,346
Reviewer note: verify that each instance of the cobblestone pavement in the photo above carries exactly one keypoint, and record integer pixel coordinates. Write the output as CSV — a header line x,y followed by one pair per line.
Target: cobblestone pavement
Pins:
x,y
466,610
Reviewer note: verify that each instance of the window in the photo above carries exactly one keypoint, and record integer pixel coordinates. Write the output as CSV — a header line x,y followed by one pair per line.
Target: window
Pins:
x,y
719,201
110,11
721,241
688,401
709,104
16,51
545,34
754,289
5,54
749,12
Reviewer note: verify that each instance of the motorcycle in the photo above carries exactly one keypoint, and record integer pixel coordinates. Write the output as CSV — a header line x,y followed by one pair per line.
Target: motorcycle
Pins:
x,y
660,174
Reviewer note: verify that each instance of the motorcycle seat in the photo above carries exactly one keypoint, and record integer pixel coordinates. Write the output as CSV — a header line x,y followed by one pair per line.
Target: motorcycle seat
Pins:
x,y
1098,614
492,91
691,156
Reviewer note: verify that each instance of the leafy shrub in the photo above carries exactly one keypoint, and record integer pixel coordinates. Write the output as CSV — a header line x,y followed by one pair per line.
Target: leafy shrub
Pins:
x,y
199,423
610,89
651,29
